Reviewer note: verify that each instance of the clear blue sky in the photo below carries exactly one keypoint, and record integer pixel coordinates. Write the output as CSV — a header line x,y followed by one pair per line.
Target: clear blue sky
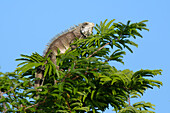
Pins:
x,y
26,26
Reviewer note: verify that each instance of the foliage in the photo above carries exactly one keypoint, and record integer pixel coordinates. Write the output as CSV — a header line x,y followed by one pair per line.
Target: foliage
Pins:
x,y
85,81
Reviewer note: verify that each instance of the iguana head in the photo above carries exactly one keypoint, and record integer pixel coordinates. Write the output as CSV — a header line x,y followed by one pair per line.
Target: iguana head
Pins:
x,y
86,28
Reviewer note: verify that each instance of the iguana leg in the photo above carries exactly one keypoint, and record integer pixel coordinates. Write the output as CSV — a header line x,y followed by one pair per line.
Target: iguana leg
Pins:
x,y
39,74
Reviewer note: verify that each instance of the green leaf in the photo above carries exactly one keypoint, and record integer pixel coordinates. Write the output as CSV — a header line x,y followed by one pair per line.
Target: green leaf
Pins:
x,y
92,94
109,23
29,66
46,70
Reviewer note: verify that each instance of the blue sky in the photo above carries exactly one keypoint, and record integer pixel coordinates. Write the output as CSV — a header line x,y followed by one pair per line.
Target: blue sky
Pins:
x,y
26,26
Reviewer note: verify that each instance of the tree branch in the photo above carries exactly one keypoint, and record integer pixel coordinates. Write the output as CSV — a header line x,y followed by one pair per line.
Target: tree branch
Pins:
x,y
35,104
4,107
98,50
129,100
68,105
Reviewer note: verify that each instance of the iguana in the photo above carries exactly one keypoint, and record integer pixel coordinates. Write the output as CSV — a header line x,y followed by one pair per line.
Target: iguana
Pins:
x,y
62,42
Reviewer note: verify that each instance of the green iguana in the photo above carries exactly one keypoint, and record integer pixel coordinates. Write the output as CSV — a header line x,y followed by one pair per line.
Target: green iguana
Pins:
x,y
62,42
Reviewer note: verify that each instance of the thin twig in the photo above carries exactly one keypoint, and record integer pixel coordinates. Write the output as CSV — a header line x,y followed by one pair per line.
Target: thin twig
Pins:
x,y
2,93
36,104
98,50
9,90
75,77
4,107
68,106
65,77
129,100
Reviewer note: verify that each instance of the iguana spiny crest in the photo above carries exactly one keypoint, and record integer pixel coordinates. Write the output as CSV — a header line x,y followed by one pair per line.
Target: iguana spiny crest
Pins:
x,y
63,41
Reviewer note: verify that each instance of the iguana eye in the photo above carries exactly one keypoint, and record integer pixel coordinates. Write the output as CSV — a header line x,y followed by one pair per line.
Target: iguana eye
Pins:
x,y
86,23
